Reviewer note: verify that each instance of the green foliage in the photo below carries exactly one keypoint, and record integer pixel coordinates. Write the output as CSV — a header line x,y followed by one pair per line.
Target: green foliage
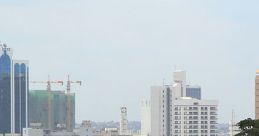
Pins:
x,y
248,127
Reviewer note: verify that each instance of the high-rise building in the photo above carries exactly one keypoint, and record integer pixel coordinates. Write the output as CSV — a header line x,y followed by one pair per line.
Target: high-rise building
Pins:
x,y
193,91
161,110
145,117
21,93
174,114
13,92
257,95
38,108
195,117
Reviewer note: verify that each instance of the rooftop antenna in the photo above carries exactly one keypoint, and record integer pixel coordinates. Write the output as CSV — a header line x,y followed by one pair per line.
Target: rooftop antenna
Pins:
x,y
163,81
233,121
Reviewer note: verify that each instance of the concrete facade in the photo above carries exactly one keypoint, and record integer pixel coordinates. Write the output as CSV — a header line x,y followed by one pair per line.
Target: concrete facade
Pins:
x,y
195,117
145,117
161,110
257,95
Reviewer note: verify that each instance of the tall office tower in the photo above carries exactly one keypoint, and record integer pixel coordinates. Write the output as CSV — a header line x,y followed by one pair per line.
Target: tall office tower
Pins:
x,y
21,92
161,110
195,117
180,83
13,92
123,121
257,95
145,118
5,89
193,91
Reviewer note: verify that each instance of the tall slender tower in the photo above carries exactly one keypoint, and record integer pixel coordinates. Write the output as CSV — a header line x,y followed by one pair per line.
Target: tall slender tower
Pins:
x,y
161,110
20,86
145,117
5,89
123,121
257,95
180,83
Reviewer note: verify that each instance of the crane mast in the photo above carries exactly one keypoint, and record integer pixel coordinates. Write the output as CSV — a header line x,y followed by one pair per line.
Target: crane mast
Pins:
x,y
69,110
49,82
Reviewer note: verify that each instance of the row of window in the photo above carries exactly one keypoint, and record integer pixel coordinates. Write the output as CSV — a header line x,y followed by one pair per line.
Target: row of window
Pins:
x,y
196,122
196,135
196,131
196,108
196,117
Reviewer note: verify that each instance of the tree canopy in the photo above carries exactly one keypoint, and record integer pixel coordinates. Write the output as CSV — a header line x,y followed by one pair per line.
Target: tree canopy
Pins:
x,y
248,127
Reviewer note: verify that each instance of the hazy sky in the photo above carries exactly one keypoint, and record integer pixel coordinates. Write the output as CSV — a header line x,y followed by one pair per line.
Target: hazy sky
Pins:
x,y
119,48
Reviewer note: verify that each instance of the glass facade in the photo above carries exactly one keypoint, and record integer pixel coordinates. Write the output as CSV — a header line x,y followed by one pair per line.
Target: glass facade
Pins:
x,y
20,74
5,93
193,91
13,92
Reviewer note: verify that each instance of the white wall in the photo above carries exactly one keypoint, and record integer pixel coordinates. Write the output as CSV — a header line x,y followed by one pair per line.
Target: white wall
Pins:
x,y
145,117
156,110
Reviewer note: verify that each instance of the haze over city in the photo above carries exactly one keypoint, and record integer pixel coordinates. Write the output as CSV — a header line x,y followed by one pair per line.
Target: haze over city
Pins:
x,y
119,48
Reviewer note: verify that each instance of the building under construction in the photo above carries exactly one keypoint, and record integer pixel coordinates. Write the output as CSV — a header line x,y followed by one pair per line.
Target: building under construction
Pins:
x,y
39,101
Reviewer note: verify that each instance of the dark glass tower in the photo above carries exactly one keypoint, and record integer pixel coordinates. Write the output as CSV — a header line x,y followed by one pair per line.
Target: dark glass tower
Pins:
x,y
20,87
5,92
193,91
13,92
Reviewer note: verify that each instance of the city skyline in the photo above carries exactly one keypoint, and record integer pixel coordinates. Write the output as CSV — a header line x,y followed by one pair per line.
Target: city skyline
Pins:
x,y
121,54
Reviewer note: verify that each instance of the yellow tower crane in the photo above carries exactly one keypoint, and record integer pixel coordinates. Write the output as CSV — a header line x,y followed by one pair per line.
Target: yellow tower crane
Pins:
x,y
49,82
69,111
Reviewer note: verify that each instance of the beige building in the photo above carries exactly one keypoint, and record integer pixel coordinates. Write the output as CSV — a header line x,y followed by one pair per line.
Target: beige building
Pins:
x,y
257,95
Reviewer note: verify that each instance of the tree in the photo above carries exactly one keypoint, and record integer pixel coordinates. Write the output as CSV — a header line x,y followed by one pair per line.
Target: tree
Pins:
x,y
248,127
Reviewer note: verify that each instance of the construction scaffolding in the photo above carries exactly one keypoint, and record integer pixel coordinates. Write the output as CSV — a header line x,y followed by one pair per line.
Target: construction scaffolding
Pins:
x,y
38,109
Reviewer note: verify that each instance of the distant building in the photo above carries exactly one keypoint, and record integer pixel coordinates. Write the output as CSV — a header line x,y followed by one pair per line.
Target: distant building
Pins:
x,y
13,92
44,132
193,91
85,129
257,95
123,121
38,109
145,117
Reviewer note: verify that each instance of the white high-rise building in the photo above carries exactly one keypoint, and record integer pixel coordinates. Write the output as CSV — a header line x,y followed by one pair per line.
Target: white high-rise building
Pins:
x,y
123,121
145,117
161,110
195,117
173,114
